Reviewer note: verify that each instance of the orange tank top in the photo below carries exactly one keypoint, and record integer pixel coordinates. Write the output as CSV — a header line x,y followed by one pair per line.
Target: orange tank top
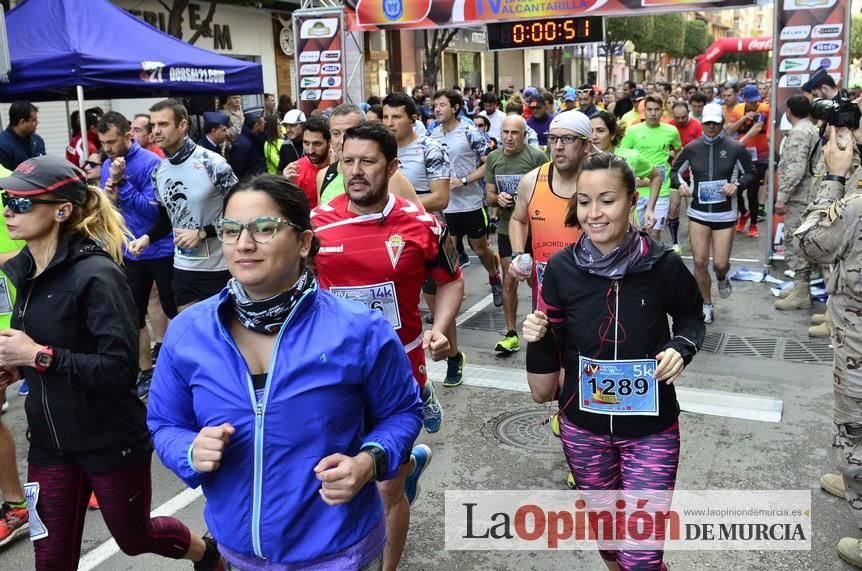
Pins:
x,y
547,218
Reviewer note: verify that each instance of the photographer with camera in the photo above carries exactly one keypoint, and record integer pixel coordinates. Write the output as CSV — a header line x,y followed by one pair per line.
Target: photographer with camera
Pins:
x,y
831,233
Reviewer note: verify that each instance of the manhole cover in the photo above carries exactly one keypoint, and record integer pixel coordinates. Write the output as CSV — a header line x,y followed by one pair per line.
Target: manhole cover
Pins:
x,y
524,429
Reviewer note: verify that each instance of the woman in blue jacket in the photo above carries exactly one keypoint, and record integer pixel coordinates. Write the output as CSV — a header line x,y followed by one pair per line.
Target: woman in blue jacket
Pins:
x,y
282,401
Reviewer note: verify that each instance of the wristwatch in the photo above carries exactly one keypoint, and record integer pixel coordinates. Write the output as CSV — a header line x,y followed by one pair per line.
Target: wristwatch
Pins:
x,y
836,178
378,456
202,233
44,359
464,180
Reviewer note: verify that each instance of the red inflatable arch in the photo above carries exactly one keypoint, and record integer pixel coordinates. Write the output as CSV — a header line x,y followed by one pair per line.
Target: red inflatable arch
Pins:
x,y
723,46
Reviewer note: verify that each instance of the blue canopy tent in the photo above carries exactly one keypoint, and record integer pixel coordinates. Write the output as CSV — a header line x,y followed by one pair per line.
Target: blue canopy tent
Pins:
x,y
60,47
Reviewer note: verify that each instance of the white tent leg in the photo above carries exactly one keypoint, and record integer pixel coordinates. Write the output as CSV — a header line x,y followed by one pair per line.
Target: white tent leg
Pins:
x,y
83,121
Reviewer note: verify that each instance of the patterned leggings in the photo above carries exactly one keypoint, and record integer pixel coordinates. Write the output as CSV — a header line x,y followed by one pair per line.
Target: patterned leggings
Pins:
x,y
124,497
602,462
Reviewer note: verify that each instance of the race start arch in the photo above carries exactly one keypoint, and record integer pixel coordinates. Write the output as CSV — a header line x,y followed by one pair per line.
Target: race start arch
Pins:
x,y
722,46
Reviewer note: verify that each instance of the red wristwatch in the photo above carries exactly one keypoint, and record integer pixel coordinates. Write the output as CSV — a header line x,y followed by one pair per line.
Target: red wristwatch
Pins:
x,y
44,358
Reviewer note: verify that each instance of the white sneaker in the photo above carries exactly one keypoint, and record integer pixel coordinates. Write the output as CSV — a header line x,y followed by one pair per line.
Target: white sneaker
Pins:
x,y
708,311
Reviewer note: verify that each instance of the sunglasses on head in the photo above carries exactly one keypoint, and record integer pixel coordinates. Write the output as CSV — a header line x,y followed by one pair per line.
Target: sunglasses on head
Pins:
x,y
24,204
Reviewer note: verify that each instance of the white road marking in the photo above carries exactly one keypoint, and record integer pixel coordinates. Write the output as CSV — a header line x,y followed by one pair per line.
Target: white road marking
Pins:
x,y
474,309
110,548
699,401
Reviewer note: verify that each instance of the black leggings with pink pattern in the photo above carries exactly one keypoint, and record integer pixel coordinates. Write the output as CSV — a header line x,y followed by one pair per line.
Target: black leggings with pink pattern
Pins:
x,y
124,496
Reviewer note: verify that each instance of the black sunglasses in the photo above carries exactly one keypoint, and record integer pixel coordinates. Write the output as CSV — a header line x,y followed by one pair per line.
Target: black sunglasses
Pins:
x,y
23,204
92,164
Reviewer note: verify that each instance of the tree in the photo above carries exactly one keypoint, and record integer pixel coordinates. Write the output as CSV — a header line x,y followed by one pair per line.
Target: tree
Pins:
x,y
618,31
856,36
668,35
753,62
696,39
439,41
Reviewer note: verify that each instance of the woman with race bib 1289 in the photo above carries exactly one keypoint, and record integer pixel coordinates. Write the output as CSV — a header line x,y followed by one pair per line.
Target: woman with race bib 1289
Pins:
x,y
608,297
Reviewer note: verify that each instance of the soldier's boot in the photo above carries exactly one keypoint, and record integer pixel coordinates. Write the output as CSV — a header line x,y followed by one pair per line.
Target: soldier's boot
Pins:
x,y
832,484
850,550
818,330
799,298
818,318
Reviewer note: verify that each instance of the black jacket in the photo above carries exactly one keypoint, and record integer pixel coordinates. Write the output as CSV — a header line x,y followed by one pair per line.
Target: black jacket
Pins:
x,y
205,143
288,153
80,306
246,155
658,285
14,150
725,159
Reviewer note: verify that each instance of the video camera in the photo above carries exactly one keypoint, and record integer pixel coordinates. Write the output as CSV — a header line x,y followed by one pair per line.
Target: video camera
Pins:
x,y
840,111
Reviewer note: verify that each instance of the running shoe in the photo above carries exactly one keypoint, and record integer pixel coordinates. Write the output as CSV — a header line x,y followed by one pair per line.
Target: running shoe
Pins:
x,y
421,457
677,249
93,504
428,319
4,407
555,425
509,344
497,289
570,481
24,389
740,224
725,288
455,370
432,412
708,312
761,211
212,560
752,231
463,259
14,523
145,379
492,225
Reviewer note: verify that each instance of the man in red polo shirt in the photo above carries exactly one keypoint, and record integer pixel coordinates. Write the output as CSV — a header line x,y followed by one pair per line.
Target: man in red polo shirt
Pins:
x,y
315,145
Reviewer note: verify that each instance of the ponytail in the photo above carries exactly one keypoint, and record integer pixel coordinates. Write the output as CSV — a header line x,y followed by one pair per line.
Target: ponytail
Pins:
x,y
100,221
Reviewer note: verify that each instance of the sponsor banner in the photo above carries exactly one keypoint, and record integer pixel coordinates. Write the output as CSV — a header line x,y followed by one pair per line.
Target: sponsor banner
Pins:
x,y
631,520
791,33
827,31
320,51
794,48
386,14
827,63
794,64
826,47
793,80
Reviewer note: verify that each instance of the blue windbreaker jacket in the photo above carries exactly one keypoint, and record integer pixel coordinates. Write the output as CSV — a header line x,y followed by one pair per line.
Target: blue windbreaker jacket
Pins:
x,y
333,360
136,199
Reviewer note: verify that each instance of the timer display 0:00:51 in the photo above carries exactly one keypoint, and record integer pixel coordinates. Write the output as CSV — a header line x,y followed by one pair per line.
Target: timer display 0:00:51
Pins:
x,y
548,31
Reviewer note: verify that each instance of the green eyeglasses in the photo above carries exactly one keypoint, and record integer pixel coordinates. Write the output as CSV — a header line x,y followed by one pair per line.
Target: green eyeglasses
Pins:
x,y
261,230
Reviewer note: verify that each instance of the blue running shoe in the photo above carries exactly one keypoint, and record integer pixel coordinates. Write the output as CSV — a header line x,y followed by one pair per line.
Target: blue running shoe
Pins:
x,y
421,459
24,389
432,412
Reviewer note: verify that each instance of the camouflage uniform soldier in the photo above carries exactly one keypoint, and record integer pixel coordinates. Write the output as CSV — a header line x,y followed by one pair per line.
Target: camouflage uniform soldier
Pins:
x,y
794,194
831,233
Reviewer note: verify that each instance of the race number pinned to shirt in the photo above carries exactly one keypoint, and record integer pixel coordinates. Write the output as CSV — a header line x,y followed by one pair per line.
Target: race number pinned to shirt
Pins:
x,y
618,387
753,152
662,169
201,252
508,183
381,297
37,528
709,192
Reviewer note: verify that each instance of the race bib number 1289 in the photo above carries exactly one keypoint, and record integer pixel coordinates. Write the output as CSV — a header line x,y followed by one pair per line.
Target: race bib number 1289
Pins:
x,y
618,387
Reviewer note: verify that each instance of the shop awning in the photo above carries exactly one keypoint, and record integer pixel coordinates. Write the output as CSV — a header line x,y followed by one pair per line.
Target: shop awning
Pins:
x,y
59,45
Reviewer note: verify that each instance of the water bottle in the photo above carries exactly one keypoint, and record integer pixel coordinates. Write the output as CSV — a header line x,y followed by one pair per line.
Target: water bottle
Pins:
x,y
524,263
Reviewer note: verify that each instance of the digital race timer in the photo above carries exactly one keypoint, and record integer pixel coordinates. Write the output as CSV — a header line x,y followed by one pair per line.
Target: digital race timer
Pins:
x,y
547,32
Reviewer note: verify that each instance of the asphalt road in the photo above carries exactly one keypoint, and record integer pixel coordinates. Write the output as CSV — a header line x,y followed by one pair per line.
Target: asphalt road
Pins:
x,y
717,453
